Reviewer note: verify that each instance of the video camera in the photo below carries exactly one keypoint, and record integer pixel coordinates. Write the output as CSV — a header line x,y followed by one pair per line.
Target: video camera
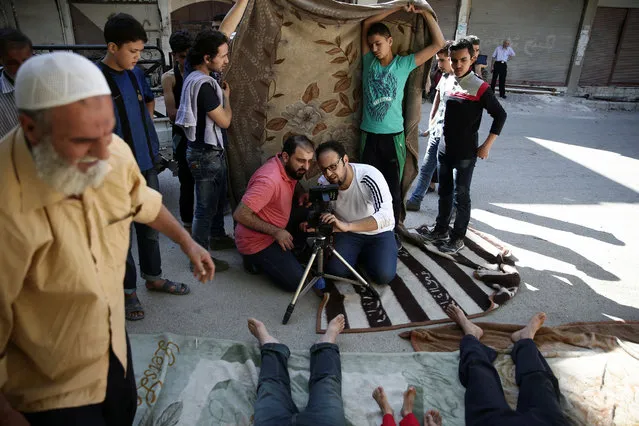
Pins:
x,y
320,197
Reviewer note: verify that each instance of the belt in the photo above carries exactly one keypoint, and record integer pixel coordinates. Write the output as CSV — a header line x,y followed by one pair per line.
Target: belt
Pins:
x,y
501,62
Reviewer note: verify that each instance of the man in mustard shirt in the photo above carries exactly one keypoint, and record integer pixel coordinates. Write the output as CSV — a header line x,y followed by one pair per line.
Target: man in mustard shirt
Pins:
x,y
70,190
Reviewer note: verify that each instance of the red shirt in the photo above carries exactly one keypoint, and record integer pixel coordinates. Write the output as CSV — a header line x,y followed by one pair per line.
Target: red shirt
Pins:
x,y
270,195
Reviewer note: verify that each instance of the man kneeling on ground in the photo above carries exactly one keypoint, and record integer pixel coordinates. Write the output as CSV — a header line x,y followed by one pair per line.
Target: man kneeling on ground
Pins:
x,y
264,212
363,215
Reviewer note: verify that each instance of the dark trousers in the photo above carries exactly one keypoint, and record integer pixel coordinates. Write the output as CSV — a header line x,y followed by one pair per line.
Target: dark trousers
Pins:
x,y
501,68
118,408
274,405
282,267
538,402
381,153
187,184
148,246
454,189
208,167
376,254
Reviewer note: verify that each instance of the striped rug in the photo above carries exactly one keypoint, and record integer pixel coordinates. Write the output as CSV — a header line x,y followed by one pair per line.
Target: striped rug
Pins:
x,y
479,279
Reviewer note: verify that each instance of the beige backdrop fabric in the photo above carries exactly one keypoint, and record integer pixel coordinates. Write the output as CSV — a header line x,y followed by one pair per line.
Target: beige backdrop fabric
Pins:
x,y
296,69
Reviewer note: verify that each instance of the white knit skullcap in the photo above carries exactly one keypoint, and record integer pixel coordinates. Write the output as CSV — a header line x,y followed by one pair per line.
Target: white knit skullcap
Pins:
x,y
55,79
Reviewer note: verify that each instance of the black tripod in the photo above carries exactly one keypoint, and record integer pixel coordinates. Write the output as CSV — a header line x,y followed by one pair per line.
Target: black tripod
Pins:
x,y
320,243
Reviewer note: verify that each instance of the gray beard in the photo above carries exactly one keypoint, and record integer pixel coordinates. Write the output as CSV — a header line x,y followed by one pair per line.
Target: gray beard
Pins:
x,y
62,176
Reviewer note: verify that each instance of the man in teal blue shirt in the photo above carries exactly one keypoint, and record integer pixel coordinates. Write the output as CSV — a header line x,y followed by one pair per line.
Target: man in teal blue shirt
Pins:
x,y
384,78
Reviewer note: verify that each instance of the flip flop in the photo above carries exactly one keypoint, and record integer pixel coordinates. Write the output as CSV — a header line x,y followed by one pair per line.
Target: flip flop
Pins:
x,y
171,287
132,305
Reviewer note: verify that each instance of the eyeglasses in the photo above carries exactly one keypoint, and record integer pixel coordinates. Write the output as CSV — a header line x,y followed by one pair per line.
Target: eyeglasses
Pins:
x,y
332,167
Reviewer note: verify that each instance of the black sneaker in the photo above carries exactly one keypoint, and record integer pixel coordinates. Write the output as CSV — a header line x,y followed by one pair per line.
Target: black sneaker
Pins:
x,y
435,235
222,243
412,206
452,246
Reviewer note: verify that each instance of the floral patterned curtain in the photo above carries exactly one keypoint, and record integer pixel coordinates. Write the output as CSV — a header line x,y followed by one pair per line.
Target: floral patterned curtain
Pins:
x,y
296,69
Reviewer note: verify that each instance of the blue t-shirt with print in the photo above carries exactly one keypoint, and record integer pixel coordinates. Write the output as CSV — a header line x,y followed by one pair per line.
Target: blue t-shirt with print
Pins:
x,y
132,106
384,93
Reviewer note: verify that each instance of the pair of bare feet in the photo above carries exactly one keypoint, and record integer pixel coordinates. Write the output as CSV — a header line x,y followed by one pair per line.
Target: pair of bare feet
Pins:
x,y
528,332
259,330
431,418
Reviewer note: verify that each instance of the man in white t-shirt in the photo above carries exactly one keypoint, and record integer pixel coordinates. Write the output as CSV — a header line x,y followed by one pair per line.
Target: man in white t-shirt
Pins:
x,y
499,68
362,216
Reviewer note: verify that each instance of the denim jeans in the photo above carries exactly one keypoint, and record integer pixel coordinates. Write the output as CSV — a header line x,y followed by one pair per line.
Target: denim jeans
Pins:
x,y
429,165
457,186
274,405
148,246
187,185
208,167
538,401
377,254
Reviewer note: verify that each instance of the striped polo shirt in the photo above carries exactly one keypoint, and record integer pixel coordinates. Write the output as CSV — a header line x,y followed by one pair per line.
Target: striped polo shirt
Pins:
x,y
8,110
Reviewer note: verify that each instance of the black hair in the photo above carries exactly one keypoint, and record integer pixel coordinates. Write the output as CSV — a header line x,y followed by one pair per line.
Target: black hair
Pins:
x,y
462,44
378,29
122,28
338,147
180,41
10,39
473,39
207,42
297,141
444,49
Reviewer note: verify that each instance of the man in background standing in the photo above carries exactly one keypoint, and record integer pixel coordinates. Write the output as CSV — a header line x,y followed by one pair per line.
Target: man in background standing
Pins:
x,y
499,68
172,82
15,48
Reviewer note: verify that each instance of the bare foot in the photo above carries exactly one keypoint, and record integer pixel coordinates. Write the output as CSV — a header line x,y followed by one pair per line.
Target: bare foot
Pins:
x,y
335,327
380,397
409,400
456,314
432,418
258,329
530,330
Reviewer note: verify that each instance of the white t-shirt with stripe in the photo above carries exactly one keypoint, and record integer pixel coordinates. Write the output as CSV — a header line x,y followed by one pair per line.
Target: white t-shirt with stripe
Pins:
x,y
368,195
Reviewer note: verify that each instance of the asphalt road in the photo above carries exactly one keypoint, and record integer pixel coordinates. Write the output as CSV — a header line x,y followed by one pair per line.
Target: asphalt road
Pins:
x,y
561,186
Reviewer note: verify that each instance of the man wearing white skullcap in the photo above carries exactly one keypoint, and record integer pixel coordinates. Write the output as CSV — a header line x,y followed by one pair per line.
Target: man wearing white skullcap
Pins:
x,y
70,190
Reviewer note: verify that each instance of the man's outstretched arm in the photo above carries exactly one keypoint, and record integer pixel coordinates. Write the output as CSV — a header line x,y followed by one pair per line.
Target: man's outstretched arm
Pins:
x,y
233,18
437,37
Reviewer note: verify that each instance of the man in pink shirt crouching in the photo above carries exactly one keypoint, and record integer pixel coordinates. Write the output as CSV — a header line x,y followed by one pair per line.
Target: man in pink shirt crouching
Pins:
x,y
264,212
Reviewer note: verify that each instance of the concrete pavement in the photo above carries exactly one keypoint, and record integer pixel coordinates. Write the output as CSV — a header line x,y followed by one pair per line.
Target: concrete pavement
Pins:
x,y
561,186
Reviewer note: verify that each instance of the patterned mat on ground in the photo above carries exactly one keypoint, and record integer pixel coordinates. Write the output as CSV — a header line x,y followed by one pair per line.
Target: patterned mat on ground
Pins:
x,y
187,381
479,278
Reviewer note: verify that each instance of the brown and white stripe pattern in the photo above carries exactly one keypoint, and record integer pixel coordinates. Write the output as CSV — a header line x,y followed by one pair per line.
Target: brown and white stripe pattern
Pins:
x,y
427,281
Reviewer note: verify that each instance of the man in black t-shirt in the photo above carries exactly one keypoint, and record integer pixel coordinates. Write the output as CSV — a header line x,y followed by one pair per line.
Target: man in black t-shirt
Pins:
x,y
205,114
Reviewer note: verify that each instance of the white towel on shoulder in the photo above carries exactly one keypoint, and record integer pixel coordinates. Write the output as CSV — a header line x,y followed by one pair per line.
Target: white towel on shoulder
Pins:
x,y
187,113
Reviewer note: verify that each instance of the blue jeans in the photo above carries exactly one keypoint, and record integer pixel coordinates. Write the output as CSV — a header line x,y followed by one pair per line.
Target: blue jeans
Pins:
x,y
377,254
429,165
282,267
538,401
459,186
148,246
208,167
274,405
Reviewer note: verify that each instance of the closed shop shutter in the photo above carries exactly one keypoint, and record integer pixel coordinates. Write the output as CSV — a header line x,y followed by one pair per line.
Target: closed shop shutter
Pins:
x,y
600,53
626,70
543,35
446,11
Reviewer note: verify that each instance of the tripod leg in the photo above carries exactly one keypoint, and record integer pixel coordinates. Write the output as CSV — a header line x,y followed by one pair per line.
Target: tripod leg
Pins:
x,y
350,268
291,306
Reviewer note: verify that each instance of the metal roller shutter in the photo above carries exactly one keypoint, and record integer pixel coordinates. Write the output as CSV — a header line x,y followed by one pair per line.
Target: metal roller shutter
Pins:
x,y
446,11
543,35
626,71
604,37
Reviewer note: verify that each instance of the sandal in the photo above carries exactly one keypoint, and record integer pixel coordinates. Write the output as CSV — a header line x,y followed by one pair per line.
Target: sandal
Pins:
x,y
133,308
171,287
